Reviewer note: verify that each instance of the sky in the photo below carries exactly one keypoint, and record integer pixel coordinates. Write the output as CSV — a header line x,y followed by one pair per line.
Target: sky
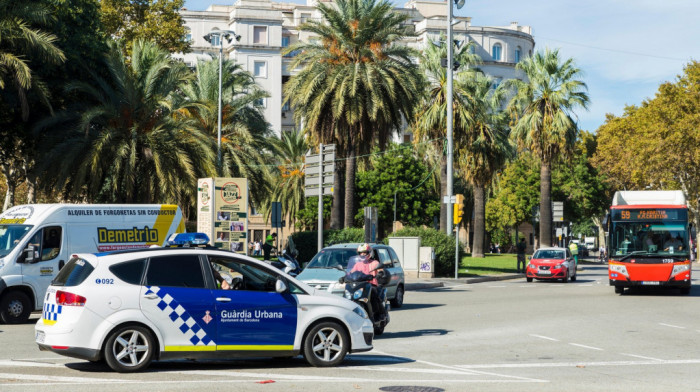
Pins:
x,y
625,48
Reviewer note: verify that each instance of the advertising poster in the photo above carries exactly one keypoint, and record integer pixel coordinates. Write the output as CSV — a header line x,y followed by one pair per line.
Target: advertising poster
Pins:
x,y
231,214
205,206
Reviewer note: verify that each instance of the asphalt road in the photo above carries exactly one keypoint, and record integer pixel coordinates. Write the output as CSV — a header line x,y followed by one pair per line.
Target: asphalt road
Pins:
x,y
490,336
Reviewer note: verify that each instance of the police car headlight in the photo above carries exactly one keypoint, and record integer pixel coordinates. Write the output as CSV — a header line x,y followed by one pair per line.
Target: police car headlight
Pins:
x,y
360,312
357,294
348,295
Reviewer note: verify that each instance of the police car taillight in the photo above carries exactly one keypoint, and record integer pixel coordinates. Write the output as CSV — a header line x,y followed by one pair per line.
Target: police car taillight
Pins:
x,y
65,298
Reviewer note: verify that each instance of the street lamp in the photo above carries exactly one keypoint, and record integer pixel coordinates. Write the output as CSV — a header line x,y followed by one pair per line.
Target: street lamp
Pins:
x,y
230,35
450,143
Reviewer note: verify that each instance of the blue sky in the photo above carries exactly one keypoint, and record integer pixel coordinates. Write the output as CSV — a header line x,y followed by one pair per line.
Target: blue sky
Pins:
x,y
626,48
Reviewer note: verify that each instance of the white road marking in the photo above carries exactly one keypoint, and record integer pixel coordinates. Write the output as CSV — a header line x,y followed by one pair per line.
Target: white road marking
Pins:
x,y
544,337
482,373
642,357
671,326
493,287
584,346
26,363
44,378
574,364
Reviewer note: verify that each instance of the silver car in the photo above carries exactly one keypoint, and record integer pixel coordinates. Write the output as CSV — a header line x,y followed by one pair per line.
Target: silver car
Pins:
x,y
324,270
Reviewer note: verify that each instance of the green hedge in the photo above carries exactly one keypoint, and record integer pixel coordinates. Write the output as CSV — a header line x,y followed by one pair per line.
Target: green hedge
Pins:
x,y
306,242
443,244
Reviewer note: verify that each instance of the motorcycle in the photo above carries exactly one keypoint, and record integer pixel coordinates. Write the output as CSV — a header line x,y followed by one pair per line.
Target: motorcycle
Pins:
x,y
358,288
287,260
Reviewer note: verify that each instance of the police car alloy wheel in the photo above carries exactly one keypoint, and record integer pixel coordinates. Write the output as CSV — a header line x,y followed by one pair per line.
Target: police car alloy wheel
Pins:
x,y
326,344
129,349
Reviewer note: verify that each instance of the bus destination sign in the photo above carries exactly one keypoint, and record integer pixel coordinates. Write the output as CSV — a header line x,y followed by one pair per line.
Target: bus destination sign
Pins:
x,y
656,214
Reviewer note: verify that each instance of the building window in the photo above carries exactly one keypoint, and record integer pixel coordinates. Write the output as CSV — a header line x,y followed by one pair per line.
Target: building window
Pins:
x,y
260,102
285,41
496,52
518,53
215,40
260,69
286,107
472,48
260,35
188,35
305,17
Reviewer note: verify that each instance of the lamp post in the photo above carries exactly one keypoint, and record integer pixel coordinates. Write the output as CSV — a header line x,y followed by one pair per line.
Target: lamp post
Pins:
x,y
229,35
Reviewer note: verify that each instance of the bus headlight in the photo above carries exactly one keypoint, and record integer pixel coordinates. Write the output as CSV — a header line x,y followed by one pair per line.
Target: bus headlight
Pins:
x,y
678,268
620,269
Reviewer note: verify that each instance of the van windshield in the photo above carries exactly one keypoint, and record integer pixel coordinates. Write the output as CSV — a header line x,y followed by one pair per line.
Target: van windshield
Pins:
x,y
10,236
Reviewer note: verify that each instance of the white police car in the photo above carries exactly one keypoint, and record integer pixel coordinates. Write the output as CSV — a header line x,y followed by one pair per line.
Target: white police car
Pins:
x,y
132,307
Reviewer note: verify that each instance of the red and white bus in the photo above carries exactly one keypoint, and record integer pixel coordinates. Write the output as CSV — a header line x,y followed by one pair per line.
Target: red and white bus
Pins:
x,y
648,240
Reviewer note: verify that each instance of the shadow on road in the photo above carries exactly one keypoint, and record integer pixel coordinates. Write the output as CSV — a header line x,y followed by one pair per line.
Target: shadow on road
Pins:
x,y
413,334
406,306
660,292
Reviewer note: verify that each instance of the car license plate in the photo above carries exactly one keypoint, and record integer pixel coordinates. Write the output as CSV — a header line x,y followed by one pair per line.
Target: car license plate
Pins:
x,y
545,272
651,283
40,335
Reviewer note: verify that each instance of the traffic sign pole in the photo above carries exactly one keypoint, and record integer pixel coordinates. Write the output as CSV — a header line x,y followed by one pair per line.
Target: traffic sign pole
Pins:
x,y
320,198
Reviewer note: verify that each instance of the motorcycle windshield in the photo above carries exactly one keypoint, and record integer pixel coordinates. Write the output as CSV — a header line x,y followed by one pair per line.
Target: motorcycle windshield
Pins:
x,y
351,263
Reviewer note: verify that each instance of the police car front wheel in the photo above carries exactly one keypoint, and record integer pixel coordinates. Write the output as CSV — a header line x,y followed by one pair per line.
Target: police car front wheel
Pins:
x,y
326,344
129,349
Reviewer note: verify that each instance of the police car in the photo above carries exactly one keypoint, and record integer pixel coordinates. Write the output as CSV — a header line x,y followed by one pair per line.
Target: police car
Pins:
x,y
132,307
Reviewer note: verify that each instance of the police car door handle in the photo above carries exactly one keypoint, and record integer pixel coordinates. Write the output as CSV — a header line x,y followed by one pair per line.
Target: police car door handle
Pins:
x,y
223,299
151,296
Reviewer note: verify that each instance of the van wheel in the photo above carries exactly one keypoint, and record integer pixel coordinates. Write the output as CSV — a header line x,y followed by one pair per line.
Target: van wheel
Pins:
x,y
15,308
129,349
397,302
326,344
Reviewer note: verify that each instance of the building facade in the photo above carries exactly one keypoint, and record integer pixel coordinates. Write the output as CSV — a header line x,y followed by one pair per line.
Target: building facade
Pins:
x,y
267,28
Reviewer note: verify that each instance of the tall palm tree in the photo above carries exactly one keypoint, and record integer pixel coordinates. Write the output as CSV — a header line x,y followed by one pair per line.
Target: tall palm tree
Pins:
x,y
355,86
288,187
483,147
127,144
245,140
545,125
431,119
23,48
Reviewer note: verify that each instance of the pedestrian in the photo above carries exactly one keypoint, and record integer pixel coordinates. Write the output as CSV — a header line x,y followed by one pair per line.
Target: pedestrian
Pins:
x,y
256,248
521,255
269,244
573,247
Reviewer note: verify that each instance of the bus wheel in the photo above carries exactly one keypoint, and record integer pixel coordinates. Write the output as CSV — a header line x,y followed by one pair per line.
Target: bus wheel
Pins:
x,y
685,290
619,290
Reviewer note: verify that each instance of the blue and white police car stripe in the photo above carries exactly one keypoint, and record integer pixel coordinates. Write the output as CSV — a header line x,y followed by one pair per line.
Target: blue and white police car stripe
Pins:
x,y
181,318
51,312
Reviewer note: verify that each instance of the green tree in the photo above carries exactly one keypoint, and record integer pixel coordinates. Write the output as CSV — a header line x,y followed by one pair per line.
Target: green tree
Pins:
x,y
398,174
483,146
24,48
158,20
245,140
355,85
545,104
288,186
431,118
127,144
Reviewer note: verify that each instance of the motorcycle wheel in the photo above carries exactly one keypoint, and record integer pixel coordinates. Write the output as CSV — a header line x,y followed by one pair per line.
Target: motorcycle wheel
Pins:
x,y
379,330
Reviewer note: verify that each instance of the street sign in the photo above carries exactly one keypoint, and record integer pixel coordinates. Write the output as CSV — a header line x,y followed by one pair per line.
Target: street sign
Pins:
x,y
449,199
313,168
276,214
309,191
557,211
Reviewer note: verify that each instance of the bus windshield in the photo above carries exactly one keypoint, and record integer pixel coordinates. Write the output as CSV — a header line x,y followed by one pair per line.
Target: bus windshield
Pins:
x,y
650,238
10,236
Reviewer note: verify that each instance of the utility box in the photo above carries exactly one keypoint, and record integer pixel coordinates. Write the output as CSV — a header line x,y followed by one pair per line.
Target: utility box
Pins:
x,y
426,268
408,250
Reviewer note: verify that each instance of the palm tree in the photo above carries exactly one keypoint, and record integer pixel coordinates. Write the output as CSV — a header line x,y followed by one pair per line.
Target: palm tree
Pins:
x,y
288,187
23,48
545,125
245,133
431,119
483,147
355,86
127,144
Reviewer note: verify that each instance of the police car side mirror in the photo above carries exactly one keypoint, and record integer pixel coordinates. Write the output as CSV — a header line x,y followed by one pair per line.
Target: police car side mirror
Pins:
x,y
280,286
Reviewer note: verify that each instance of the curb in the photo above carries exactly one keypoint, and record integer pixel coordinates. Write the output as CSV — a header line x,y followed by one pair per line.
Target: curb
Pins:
x,y
423,285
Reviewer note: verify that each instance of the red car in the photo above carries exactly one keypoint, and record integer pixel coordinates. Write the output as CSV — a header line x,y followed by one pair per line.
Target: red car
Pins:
x,y
551,263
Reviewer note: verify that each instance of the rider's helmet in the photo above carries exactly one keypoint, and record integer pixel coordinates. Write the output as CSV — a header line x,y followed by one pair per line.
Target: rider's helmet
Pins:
x,y
363,248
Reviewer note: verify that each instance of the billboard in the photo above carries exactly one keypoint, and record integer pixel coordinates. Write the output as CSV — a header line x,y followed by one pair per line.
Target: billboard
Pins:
x,y
222,212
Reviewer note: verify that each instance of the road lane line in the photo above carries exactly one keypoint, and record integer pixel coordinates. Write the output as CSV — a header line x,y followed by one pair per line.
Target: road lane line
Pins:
x,y
59,379
642,357
574,364
671,326
493,287
588,347
544,337
22,363
476,372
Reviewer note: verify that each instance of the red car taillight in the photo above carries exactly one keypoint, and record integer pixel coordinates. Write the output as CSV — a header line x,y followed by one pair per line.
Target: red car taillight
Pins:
x,y
65,298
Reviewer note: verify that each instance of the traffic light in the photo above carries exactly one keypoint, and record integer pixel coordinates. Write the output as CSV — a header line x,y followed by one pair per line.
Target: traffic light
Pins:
x,y
458,211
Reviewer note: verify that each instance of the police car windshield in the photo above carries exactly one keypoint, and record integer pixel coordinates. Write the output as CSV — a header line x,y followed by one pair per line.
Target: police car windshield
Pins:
x,y
10,236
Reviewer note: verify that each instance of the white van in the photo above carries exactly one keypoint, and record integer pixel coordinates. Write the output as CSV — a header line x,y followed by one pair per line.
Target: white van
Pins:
x,y
37,240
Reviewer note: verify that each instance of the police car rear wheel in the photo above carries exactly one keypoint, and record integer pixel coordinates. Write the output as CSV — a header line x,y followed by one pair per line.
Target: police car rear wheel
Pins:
x,y
15,308
129,349
326,344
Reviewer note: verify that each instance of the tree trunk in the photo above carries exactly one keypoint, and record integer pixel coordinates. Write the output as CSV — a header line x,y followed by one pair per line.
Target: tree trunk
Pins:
x,y
9,196
443,192
338,197
350,188
546,204
31,190
479,222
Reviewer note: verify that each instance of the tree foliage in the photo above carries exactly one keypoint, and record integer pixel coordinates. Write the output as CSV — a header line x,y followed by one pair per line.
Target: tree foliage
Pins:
x,y
159,20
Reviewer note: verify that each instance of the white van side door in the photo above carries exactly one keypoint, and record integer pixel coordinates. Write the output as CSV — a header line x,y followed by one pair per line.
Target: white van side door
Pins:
x,y
49,256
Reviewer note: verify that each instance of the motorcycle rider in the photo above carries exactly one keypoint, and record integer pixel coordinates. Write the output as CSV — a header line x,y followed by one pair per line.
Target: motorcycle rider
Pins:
x,y
368,265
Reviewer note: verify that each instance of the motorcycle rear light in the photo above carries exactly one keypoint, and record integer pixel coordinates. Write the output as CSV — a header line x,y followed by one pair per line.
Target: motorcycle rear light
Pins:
x,y
65,298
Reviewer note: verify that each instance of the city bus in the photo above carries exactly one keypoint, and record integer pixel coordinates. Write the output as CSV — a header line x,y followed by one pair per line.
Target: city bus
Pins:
x,y
648,243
